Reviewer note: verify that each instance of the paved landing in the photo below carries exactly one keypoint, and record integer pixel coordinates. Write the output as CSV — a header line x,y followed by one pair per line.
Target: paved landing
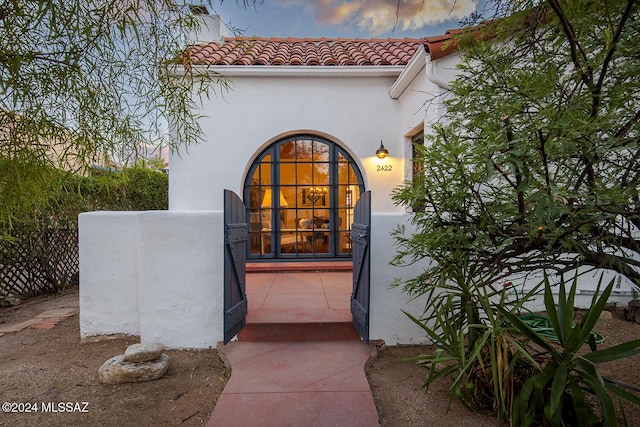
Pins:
x,y
310,384
299,297
299,369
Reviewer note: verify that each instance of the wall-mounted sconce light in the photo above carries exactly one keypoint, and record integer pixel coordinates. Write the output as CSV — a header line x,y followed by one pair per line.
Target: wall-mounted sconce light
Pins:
x,y
381,152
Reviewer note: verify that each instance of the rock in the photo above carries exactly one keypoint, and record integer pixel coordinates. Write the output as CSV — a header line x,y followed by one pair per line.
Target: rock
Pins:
x,y
143,352
632,313
117,371
10,300
606,315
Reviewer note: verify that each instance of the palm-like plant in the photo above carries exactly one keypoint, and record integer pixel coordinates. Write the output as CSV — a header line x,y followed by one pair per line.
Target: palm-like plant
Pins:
x,y
474,342
557,394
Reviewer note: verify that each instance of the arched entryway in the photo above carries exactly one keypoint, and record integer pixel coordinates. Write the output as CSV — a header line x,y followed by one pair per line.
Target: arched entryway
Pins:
x,y
301,191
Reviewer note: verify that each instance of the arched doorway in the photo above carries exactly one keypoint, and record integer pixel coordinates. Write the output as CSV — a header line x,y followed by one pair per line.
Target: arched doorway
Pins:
x,y
301,191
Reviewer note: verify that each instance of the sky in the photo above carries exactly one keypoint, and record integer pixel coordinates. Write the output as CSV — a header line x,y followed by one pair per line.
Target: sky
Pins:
x,y
344,18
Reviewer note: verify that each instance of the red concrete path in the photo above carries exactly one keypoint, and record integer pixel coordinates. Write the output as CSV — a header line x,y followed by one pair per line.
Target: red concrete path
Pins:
x,y
310,384
292,383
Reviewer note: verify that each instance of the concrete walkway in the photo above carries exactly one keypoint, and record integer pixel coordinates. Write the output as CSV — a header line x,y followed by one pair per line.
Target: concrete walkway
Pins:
x,y
310,384
45,320
297,382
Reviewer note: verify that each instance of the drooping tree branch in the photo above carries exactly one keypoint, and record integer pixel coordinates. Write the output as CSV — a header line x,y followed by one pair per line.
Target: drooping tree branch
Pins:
x,y
577,53
611,50
518,184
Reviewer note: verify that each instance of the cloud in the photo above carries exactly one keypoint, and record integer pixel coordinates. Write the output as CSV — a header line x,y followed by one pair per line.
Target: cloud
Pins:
x,y
380,16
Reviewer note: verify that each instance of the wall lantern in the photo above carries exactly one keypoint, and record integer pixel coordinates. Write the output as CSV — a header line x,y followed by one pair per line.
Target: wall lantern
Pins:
x,y
381,152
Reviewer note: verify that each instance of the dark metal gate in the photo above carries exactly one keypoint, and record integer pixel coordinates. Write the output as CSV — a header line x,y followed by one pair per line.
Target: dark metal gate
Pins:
x,y
360,235
236,234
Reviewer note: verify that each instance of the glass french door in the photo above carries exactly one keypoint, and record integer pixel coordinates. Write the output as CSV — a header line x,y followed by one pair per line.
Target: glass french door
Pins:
x,y
301,192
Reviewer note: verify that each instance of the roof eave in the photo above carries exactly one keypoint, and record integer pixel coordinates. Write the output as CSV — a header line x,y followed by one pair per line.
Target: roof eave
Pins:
x,y
299,70
410,71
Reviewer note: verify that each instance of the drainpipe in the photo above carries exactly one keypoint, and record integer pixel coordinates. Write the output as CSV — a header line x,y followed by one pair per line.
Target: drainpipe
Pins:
x,y
431,75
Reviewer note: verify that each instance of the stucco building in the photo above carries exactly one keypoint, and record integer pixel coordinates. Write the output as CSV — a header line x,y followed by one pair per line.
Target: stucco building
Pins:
x,y
289,152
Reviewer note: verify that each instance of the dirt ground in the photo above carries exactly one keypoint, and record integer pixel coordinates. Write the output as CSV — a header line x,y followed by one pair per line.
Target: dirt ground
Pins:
x,y
51,367
401,401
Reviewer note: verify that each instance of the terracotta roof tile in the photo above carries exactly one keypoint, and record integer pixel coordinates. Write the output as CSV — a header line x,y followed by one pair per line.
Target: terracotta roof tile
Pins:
x,y
440,46
325,51
305,51
446,44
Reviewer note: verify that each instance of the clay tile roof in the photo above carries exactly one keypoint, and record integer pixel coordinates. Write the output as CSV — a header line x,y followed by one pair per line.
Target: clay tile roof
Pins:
x,y
439,46
446,44
305,51
326,51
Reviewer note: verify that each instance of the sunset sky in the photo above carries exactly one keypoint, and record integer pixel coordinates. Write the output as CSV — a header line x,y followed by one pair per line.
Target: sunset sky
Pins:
x,y
345,18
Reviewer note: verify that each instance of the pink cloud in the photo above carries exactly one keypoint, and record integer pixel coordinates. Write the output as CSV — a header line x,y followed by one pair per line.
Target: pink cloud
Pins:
x,y
379,16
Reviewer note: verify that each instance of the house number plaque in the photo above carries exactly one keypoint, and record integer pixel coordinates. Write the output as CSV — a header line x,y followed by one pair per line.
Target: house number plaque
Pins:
x,y
383,168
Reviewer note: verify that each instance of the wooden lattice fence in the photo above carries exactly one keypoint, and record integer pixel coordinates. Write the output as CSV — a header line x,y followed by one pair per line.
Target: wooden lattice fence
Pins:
x,y
36,262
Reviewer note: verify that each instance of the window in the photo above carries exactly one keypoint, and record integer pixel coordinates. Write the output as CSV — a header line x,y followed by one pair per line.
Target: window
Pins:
x,y
417,143
301,192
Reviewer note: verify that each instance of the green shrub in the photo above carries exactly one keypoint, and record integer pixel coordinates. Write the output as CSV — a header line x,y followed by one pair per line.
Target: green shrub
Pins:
x,y
146,189
131,189
474,342
485,346
557,394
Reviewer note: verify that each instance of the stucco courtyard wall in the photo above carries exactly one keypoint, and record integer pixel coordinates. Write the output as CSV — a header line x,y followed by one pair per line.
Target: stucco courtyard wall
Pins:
x,y
155,274
108,254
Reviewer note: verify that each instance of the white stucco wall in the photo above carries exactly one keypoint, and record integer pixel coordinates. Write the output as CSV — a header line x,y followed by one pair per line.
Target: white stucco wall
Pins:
x,y
108,254
181,278
156,274
387,321
355,111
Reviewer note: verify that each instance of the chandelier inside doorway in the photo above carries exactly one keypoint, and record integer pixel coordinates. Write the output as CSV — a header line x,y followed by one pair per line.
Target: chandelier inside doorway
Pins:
x,y
315,194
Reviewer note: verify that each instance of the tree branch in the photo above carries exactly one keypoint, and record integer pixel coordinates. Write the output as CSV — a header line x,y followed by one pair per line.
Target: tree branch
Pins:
x,y
624,130
586,75
520,194
597,98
